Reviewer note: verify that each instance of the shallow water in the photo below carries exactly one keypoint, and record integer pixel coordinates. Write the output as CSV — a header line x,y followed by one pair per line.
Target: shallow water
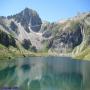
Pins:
x,y
44,73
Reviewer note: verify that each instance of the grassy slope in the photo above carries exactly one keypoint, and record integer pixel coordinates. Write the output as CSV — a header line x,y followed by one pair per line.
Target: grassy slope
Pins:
x,y
11,53
85,55
8,52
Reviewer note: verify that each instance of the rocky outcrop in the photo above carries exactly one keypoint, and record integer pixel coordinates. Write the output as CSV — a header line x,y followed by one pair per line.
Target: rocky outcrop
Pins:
x,y
26,43
70,37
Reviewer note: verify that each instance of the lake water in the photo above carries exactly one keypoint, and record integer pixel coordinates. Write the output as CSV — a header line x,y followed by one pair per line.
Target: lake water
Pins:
x,y
44,73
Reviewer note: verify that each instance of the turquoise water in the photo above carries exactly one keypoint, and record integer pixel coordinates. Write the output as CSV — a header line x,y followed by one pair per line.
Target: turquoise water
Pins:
x,y
44,73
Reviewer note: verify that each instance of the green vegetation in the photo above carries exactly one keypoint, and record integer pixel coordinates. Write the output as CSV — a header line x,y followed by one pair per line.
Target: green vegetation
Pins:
x,y
84,54
7,53
85,46
12,52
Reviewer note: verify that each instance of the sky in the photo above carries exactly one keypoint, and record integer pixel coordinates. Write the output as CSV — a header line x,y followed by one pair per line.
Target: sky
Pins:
x,y
49,10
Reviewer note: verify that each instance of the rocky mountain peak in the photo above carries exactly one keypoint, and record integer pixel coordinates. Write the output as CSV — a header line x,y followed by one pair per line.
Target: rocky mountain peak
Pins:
x,y
29,19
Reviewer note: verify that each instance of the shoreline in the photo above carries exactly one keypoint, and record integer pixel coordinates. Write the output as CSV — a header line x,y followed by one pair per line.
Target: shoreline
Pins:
x,y
39,54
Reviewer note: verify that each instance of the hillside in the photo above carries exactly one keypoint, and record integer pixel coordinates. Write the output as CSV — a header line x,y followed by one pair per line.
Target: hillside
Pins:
x,y
69,37
26,34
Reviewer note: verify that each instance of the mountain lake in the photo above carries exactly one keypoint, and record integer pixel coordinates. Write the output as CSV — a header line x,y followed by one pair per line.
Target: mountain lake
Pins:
x,y
44,73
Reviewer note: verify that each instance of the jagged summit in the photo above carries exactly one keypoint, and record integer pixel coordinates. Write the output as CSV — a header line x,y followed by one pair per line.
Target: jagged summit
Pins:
x,y
29,19
28,12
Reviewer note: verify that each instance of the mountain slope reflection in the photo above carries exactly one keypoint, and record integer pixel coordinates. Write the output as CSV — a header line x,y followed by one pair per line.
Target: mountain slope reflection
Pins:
x,y
46,73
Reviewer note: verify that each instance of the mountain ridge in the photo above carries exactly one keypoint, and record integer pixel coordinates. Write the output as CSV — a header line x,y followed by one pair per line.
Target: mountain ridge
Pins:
x,y
70,37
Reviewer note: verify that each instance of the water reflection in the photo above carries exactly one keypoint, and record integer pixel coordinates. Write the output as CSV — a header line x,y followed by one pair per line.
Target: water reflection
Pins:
x,y
45,73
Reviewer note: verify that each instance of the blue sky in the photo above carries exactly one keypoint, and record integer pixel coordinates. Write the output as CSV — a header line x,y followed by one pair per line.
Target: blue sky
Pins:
x,y
51,10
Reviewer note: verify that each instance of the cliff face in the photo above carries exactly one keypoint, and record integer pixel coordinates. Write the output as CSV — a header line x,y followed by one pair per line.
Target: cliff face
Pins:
x,y
68,39
26,29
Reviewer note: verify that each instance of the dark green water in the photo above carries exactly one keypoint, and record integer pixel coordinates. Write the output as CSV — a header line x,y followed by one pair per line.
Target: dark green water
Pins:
x,y
44,73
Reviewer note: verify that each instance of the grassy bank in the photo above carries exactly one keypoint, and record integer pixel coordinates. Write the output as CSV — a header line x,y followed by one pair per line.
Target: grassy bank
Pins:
x,y
11,53
84,55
